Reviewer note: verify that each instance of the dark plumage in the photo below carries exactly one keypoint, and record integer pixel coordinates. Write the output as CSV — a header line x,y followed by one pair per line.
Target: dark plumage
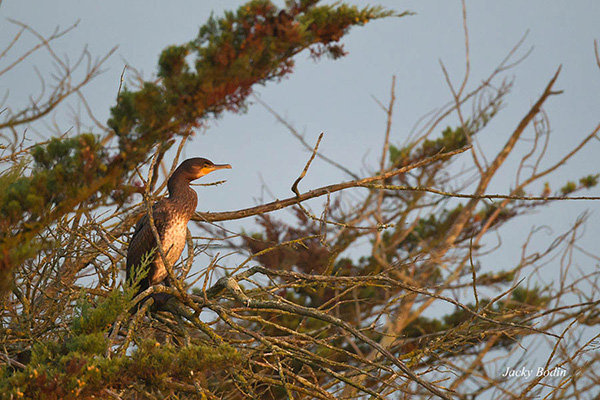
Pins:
x,y
171,216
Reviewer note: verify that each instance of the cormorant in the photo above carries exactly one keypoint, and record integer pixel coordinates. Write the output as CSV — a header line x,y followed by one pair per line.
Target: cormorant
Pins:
x,y
171,216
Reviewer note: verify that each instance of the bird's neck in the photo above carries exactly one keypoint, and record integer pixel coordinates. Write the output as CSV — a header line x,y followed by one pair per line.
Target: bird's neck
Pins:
x,y
182,194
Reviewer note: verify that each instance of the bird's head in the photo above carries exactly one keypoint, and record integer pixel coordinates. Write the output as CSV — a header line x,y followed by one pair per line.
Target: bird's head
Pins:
x,y
195,168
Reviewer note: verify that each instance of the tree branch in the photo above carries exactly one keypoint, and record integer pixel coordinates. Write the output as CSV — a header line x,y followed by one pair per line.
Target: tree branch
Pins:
x,y
280,204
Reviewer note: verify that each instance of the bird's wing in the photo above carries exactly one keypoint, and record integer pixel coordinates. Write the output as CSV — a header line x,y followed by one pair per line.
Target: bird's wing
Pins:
x,y
138,227
143,241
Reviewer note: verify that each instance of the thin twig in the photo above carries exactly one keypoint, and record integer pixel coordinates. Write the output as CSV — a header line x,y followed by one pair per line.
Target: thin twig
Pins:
x,y
312,157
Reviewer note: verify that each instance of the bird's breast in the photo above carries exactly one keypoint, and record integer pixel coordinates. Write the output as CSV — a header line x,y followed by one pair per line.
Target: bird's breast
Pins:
x,y
173,243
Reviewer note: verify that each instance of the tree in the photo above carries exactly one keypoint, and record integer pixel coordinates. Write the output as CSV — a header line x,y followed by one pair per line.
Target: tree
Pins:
x,y
299,318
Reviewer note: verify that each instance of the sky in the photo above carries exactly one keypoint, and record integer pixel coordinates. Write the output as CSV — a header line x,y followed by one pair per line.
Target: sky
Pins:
x,y
336,97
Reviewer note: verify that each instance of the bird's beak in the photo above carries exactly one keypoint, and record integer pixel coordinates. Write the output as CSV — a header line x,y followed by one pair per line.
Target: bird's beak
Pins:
x,y
220,166
214,167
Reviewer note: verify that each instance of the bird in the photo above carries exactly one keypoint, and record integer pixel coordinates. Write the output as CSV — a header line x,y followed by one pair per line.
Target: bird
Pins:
x,y
171,216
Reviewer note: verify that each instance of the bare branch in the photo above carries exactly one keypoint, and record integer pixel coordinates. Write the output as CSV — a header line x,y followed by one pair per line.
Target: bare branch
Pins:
x,y
280,204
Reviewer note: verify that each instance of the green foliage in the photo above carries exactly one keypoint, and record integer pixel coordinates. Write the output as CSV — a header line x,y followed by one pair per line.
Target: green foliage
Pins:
x,y
62,373
139,272
432,228
74,374
154,362
451,139
398,156
172,62
78,366
61,168
496,277
524,297
43,352
90,318
92,344
8,177
589,181
568,188
423,326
